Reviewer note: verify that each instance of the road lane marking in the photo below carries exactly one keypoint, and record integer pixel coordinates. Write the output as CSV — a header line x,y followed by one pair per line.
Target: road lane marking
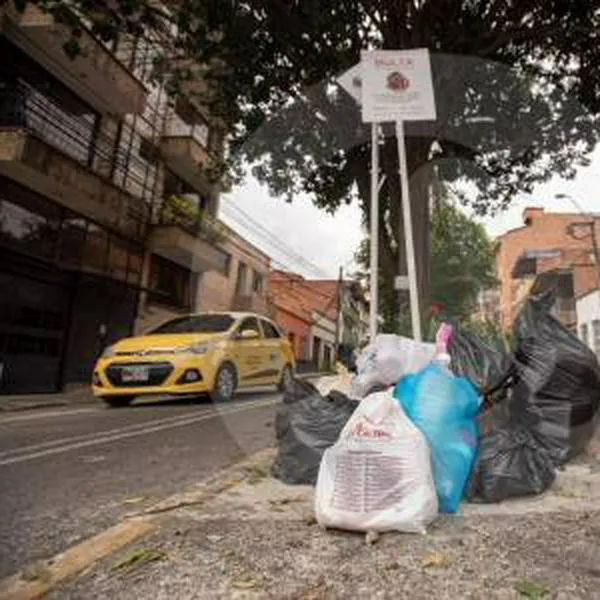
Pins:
x,y
86,436
99,440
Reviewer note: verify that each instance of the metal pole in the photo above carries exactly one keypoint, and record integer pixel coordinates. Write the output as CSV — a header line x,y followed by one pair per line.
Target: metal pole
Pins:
x,y
408,235
374,230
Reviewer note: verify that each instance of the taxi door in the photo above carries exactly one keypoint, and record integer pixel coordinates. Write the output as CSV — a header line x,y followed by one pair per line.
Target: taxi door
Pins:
x,y
250,354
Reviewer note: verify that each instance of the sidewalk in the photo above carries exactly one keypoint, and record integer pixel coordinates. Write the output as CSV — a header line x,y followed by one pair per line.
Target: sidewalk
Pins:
x,y
17,402
76,396
258,539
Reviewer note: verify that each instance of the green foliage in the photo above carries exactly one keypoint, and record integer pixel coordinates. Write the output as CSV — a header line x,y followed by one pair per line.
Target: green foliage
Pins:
x,y
463,261
185,212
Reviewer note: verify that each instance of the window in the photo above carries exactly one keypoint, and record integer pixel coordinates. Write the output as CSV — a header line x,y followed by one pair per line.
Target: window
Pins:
x,y
118,258
72,240
596,335
224,262
249,324
95,250
258,283
148,151
197,324
584,334
134,269
242,275
270,330
215,141
170,283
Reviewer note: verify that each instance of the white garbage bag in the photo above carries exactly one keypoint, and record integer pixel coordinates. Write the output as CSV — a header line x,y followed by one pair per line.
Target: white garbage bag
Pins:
x,y
377,476
389,358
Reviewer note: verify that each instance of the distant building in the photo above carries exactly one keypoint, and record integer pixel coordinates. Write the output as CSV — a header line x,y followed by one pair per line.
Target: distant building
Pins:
x,y
551,251
318,316
588,320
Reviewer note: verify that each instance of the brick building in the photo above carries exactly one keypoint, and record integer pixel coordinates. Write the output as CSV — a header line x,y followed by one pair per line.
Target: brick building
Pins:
x,y
551,251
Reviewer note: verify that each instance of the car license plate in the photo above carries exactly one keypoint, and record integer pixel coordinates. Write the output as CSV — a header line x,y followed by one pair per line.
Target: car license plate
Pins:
x,y
132,374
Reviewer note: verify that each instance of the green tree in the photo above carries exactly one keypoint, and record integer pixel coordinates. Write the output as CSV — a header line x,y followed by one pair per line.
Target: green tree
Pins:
x,y
463,263
517,87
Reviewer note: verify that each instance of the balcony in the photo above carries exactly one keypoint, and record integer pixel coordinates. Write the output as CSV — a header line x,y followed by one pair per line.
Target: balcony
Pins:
x,y
95,74
51,152
184,148
186,236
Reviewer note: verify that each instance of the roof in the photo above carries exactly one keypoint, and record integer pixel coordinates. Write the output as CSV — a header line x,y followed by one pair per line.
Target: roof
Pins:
x,y
300,296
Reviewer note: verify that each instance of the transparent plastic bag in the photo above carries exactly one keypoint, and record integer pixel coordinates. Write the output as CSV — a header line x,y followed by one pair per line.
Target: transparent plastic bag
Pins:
x,y
384,362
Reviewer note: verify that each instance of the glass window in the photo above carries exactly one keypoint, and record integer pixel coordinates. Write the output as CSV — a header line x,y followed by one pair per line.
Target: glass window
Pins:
x,y
596,334
258,283
240,286
209,323
72,240
28,222
95,250
270,330
169,282
118,258
251,323
584,334
224,262
136,260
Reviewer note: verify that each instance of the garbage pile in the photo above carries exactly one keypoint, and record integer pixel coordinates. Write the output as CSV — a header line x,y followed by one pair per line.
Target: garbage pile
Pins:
x,y
422,427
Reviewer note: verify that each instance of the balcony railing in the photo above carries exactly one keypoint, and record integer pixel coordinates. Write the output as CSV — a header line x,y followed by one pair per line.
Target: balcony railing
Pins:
x,y
182,212
76,135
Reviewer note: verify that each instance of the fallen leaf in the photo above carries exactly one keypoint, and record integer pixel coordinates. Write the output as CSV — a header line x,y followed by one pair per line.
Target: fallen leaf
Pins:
x,y
214,538
134,500
138,558
436,560
529,589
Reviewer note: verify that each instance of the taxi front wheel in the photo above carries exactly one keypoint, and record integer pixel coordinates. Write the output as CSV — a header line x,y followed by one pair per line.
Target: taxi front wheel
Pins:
x,y
225,384
118,401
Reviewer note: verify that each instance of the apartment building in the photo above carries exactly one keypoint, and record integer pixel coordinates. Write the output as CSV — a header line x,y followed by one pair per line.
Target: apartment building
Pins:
x,y
107,213
552,251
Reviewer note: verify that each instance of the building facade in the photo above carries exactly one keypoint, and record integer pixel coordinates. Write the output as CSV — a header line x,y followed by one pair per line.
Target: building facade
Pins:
x,y
552,251
588,320
107,210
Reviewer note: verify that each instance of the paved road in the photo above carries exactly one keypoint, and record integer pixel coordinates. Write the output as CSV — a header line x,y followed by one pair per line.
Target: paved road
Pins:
x,y
67,474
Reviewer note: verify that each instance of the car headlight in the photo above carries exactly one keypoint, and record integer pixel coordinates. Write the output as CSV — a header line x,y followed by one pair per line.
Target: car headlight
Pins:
x,y
200,348
108,352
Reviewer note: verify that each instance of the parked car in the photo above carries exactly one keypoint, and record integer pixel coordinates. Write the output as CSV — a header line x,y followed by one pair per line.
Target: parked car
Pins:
x,y
214,353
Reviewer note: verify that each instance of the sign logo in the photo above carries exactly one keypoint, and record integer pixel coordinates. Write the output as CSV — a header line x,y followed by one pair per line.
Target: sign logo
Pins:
x,y
397,82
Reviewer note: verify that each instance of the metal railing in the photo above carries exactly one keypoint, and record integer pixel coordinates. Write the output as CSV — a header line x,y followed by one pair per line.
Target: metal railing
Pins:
x,y
177,210
76,135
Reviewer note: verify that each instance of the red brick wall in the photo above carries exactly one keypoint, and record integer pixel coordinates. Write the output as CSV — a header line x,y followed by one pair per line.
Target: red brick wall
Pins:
x,y
545,231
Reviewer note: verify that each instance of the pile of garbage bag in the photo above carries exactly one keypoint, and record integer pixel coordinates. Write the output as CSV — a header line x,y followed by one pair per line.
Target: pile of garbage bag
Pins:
x,y
422,427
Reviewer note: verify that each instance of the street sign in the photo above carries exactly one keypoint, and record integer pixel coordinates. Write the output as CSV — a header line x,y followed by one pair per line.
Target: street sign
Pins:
x,y
401,282
397,86
351,81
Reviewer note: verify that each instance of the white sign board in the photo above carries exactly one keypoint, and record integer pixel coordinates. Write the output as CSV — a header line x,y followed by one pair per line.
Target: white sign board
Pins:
x,y
401,282
397,86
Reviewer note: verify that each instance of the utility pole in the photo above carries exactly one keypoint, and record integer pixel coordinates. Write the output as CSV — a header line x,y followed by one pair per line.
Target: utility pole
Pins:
x,y
338,323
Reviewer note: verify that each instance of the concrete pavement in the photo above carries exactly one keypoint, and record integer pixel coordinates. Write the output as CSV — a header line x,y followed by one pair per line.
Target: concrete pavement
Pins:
x,y
68,473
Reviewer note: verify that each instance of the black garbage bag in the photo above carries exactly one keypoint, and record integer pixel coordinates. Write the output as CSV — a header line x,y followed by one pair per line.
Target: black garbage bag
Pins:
x,y
491,371
556,395
510,463
306,425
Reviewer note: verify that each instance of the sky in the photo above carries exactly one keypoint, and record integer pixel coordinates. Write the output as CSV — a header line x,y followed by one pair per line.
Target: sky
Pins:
x,y
304,239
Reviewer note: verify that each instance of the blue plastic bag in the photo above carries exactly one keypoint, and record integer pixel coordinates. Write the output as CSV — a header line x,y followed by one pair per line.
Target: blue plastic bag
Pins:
x,y
444,407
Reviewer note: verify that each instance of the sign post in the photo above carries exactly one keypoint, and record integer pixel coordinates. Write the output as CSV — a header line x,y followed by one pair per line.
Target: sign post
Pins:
x,y
392,86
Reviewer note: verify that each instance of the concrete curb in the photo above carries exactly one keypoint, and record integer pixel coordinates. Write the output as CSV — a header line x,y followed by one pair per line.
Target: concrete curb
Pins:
x,y
37,580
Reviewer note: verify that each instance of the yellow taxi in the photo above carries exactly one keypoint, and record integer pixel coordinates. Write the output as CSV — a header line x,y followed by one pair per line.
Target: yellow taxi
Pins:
x,y
214,353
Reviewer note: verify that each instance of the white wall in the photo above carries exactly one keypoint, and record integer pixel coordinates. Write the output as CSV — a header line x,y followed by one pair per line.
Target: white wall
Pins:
x,y
588,311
